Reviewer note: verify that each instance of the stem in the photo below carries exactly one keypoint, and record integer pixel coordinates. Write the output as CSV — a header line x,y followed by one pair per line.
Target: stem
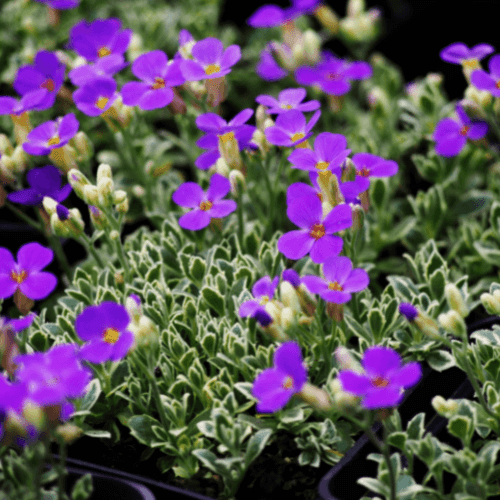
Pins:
x,y
90,249
24,217
240,220
265,170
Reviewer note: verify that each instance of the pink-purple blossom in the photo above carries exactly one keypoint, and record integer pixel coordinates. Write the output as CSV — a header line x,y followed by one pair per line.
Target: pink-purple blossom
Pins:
x,y
315,236
274,387
210,60
60,4
19,324
30,101
451,135
51,135
26,274
382,383
103,67
205,205
104,328
267,68
268,16
340,280
263,290
458,53
409,311
96,96
490,82
291,128
368,165
46,73
43,181
158,77
287,99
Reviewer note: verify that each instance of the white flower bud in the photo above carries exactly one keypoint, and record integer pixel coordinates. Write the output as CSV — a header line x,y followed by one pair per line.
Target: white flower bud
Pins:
x,y
104,171
49,205
455,300
120,196
78,181
237,181
114,235
490,303
106,193
287,317
453,323
289,296
346,361
316,397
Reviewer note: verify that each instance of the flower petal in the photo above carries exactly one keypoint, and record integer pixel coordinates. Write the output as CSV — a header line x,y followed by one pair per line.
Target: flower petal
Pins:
x,y
219,187
325,247
188,195
195,220
33,257
380,360
295,244
38,285
222,208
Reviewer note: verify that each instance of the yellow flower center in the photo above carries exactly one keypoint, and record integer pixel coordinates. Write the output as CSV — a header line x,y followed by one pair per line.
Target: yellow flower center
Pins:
x,y
321,165
497,84
286,106
464,130
471,63
18,277
335,286
110,335
364,172
101,102
332,76
264,300
206,205
53,141
227,137
379,381
49,85
158,84
103,51
288,383
317,231
320,196
297,136
211,69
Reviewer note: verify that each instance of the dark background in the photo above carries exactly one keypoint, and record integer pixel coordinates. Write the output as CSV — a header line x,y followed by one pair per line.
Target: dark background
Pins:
x,y
414,32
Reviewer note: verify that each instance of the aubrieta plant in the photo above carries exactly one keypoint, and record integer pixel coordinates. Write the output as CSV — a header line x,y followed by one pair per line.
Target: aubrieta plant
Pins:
x,y
265,291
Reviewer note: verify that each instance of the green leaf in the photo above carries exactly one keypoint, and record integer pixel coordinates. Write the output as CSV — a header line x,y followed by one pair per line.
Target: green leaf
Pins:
x,y
461,427
256,445
214,299
374,485
440,360
415,428
93,390
401,229
471,205
404,287
397,439
488,253
292,415
97,433
208,459
487,457
376,321
197,268
140,427
83,488
437,282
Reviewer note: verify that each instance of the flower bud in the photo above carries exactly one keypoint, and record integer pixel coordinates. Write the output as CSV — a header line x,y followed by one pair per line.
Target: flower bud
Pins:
x,y
114,235
237,181
103,172
481,97
49,205
490,303
6,147
307,301
346,361
289,296
427,326
58,227
34,415
22,127
274,310
69,432
328,18
358,217
106,193
123,207
316,397
311,43
78,181
91,195
284,54
19,159
229,150
345,402
135,47
120,196
453,323
264,145
348,171
64,158
287,317
355,8
455,300
145,332
99,220
133,307
260,117
83,146
220,167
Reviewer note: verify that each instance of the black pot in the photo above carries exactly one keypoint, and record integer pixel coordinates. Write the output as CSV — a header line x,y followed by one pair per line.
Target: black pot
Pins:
x,y
341,481
107,486
143,485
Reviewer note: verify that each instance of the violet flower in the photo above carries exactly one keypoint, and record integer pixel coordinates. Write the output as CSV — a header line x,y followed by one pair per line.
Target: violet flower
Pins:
x,y
96,96
451,135
104,327
12,395
206,205
350,190
46,73
274,387
210,60
19,324
51,135
158,77
263,290
104,67
268,16
409,311
315,235
186,42
333,75
384,379
30,101
99,38
368,165
60,4
340,280
292,277
288,99
459,53
26,274
490,82
43,181
291,129
267,68
328,154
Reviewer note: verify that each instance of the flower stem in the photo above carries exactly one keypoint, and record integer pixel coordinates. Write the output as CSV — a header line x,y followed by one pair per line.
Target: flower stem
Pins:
x,y
241,226
24,217
90,249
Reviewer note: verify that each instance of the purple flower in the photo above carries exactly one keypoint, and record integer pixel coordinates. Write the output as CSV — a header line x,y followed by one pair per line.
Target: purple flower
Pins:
x,y
288,99
12,395
332,74
30,101
275,386
263,290
210,60
47,73
328,154
60,4
96,96
26,274
53,376
291,129
340,280
157,79
268,16
451,136
315,235
299,189
105,328
100,38
459,53
186,41
206,205
51,135
263,317
18,324
384,378
368,165
350,190
490,82
267,68
43,181
408,311
104,67
217,129
292,277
